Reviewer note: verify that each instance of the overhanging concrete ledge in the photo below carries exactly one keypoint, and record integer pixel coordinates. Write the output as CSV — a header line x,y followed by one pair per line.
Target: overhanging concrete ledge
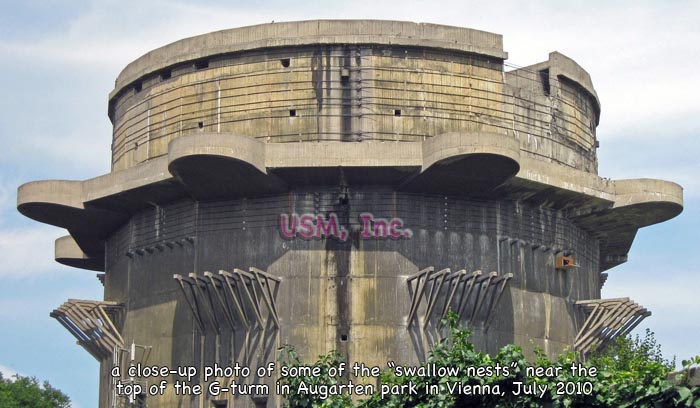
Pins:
x,y
455,145
50,201
235,147
68,252
61,203
221,165
644,190
647,201
466,163
217,165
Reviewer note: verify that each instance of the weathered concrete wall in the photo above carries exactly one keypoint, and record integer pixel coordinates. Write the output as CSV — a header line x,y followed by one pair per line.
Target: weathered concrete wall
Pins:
x,y
349,296
217,135
353,92
323,93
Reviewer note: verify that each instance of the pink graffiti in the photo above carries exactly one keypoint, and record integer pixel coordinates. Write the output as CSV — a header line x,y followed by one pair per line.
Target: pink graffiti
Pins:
x,y
309,226
383,228
317,226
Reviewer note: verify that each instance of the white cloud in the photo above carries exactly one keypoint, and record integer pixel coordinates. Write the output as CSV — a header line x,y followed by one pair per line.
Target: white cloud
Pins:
x,y
6,198
28,252
112,33
669,292
7,372
653,152
678,300
640,58
91,159
642,70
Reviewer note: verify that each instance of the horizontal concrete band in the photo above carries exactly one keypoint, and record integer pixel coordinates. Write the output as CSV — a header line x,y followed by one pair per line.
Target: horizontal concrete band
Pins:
x,y
286,34
91,209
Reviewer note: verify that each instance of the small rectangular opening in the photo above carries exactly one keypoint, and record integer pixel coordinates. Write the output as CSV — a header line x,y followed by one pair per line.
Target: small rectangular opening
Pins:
x,y
140,401
285,62
259,401
397,112
165,74
138,86
292,112
200,125
201,64
544,77
343,337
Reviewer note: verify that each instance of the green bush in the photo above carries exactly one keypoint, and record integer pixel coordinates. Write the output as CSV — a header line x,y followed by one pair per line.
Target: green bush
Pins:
x,y
295,399
26,392
631,373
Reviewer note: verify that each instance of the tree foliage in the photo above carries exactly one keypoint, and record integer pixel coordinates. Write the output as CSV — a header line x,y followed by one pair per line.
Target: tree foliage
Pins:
x,y
27,392
632,373
304,400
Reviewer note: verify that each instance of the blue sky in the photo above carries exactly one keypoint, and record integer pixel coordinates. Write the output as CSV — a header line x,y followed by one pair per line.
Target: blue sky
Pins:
x,y
59,59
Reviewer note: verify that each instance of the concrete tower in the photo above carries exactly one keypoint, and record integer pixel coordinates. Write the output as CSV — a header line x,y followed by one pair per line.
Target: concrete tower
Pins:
x,y
342,185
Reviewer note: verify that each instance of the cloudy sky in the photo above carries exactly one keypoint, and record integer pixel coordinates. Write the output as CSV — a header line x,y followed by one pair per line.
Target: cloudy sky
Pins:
x,y
59,59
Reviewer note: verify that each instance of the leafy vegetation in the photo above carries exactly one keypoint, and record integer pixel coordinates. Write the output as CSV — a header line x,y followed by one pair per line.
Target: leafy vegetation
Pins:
x,y
26,392
299,400
631,373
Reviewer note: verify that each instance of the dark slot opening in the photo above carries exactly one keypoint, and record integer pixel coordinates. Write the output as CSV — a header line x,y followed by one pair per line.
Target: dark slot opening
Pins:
x,y
343,337
544,77
201,64
292,112
285,62
165,74
200,124
397,112
138,86
140,401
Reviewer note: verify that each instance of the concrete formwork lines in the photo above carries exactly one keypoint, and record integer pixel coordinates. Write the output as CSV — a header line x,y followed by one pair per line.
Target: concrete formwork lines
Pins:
x,y
604,315
190,300
234,305
481,294
606,320
486,169
199,285
499,289
247,281
217,285
442,287
236,295
456,275
435,289
90,323
417,292
467,289
264,279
